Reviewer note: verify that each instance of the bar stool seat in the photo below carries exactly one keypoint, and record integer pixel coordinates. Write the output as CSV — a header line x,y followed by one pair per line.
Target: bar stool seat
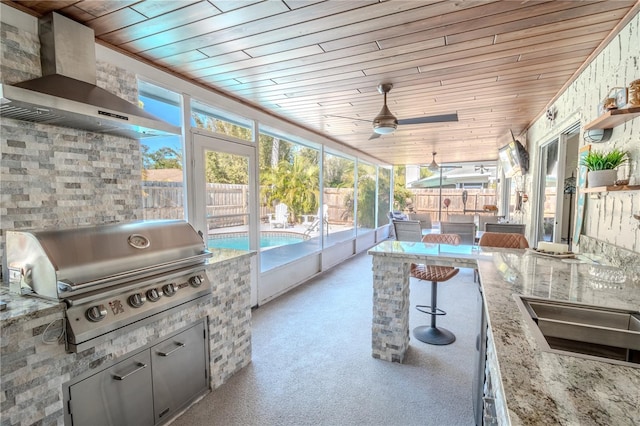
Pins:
x,y
432,334
506,240
433,272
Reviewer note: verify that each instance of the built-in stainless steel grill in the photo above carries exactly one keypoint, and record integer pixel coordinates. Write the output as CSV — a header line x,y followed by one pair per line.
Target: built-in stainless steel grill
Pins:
x,y
110,277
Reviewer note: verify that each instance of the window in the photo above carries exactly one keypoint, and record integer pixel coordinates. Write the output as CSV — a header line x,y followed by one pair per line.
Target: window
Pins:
x,y
162,157
206,117
338,190
290,207
384,195
366,207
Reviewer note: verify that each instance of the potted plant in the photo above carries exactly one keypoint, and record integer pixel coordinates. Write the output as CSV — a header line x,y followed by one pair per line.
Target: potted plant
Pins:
x,y
602,166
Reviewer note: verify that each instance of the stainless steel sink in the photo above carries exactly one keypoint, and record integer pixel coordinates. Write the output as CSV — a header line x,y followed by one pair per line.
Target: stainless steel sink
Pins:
x,y
600,333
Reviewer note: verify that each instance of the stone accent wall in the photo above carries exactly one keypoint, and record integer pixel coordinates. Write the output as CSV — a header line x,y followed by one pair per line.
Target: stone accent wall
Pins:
x,y
609,218
390,330
20,53
495,404
230,320
117,81
33,373
54,176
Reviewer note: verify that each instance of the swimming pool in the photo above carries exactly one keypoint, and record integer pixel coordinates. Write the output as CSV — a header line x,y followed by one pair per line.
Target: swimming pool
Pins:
x,y
240,240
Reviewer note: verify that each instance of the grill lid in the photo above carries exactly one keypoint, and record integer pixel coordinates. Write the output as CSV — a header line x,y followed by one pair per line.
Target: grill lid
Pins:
x,y
52,262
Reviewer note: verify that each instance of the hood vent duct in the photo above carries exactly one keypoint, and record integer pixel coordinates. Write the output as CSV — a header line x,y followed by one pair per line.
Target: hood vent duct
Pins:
x,y
67,94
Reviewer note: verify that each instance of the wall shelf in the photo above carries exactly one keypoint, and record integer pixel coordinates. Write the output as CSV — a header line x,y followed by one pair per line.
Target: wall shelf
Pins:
x,y
613,118
612,188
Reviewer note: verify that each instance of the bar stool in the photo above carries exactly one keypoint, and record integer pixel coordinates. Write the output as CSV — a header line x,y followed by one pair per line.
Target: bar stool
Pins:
x,y
436,274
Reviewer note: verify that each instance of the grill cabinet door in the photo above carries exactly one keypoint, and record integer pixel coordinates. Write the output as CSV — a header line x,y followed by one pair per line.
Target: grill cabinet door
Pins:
x,y
118,396
179,371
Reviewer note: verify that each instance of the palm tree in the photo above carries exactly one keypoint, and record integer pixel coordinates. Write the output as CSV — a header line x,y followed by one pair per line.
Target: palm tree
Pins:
x,y
295,184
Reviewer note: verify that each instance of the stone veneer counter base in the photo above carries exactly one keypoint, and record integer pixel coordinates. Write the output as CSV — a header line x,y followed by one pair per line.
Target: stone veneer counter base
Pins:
x,y
33,373
532,386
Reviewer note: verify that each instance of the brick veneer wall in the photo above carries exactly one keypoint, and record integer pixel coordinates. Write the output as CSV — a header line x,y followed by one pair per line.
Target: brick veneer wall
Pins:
x,y
53,176
610,218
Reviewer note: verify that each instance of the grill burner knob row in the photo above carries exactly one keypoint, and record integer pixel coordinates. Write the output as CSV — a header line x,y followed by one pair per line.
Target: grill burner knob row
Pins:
x,y
137,300
154,295
96,313
169,289
196,281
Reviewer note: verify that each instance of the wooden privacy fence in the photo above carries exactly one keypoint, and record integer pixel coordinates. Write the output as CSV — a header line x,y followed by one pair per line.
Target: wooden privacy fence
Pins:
x,y
227,203
162,200
340,210
428,201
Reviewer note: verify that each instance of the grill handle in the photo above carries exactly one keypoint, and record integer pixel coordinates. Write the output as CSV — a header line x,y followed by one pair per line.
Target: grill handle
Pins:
x,y
179,346
133,274
141,366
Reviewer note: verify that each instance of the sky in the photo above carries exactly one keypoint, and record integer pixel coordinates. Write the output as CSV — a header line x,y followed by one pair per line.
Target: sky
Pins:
x,y
168,113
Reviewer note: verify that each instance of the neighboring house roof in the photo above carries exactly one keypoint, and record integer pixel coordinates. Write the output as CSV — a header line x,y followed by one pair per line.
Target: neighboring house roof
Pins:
x,y
463,175
163,175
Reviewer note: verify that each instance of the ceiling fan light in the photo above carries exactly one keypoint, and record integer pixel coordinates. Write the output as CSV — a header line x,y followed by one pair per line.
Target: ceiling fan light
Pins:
x,y
385,122
383,129
433,167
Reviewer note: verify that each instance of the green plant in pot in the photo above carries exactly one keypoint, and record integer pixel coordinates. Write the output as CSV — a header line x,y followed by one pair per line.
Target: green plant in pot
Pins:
x,y
602,166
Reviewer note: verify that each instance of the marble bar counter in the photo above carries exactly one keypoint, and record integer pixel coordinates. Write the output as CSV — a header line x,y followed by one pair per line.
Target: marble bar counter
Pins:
x,y
532,386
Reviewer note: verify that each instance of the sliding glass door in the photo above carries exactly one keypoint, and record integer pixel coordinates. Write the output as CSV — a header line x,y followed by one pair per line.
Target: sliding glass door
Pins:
x,y
548,192
555,210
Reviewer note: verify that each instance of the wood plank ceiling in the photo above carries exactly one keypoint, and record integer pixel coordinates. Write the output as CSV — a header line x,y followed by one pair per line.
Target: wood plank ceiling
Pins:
x,y
497,64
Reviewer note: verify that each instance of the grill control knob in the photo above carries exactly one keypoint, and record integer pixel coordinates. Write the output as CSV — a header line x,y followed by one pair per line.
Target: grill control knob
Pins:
x,y
154,295
96,313
136,300
169,289
196,281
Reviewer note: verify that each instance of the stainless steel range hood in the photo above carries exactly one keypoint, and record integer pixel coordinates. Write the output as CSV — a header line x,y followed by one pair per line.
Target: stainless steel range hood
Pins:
x,y
67,94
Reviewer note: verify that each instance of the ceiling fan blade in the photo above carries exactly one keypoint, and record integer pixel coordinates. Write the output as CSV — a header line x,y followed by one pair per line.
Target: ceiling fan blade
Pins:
x,y
374,136
429,119
348,118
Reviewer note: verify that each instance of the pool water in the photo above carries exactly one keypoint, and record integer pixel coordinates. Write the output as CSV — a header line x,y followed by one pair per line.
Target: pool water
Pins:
x,y
241,242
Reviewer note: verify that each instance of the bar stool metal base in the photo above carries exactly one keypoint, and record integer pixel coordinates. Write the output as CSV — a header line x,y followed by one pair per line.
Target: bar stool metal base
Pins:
x,y
434,335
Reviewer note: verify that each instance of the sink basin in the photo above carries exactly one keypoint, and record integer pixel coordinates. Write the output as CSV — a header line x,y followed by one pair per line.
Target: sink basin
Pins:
x,y
599,333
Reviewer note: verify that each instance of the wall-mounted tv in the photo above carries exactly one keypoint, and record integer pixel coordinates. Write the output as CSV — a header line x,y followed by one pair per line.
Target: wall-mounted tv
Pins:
x,y
514,159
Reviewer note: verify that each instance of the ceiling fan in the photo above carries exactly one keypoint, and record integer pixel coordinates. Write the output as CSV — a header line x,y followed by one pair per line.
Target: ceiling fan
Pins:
x,y
385,122
483,169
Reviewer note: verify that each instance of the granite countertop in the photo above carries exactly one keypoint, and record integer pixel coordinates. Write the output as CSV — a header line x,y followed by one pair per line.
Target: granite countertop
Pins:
x,y
543,387
24,308
223,254
548,388
440,254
